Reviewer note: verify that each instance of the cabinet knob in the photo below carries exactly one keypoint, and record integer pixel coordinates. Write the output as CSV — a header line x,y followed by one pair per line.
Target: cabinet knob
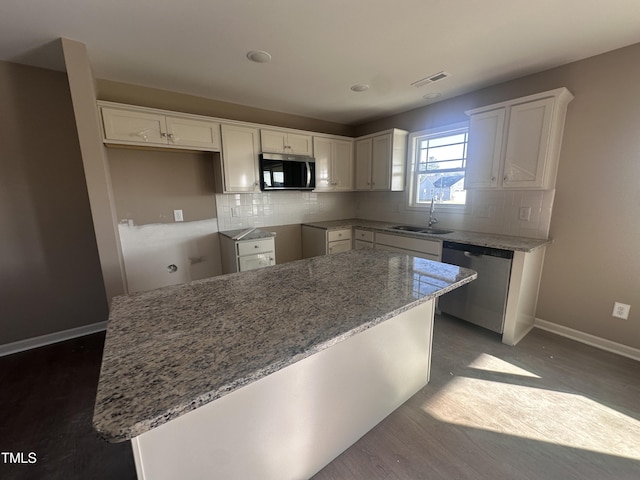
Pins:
x,y
493,179
506,179
256,246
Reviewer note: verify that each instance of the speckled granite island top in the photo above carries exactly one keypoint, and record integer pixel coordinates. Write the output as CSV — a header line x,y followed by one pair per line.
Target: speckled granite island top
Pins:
x,y
171,350
505,242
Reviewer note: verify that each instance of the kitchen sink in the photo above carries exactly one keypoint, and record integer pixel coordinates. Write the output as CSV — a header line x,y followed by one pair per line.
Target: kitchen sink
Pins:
x,y
414,229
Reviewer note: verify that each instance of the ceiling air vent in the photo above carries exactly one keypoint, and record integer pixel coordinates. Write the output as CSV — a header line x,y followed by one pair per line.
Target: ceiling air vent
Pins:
x,y
431,79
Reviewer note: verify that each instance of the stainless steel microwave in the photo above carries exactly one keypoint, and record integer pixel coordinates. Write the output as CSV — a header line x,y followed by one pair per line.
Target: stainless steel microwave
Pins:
x,y
287,172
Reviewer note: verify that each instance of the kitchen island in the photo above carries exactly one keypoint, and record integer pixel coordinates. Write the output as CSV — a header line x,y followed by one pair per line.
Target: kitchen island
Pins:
x,y
270,373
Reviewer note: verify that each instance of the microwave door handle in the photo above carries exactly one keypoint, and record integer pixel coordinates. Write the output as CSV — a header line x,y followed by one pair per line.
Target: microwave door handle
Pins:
x,y
308,174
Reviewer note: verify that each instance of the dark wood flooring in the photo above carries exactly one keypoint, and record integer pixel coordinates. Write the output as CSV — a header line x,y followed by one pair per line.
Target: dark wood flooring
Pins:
x,y
46,405
549,408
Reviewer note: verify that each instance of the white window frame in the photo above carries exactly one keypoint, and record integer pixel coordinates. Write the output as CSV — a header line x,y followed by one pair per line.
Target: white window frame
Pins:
x,y
412,165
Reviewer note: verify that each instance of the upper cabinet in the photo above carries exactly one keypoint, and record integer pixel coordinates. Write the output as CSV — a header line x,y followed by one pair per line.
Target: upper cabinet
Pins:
x,y
282,141
127,125
334,164
516,144
238,164
380,160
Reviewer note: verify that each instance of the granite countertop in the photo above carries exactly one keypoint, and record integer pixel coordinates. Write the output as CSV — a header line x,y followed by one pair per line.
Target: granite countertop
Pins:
x,y
171,350
505,242
255,234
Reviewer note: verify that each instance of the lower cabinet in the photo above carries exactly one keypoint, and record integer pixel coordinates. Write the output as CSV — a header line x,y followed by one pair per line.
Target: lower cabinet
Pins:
x,y
244,255
320,241
362,239
426,248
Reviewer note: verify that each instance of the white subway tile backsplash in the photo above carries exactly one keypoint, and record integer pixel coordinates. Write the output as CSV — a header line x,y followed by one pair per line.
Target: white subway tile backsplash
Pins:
x,y
282,208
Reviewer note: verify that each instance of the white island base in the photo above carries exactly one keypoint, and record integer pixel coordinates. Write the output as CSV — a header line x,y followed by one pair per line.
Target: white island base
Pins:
x,y
290,424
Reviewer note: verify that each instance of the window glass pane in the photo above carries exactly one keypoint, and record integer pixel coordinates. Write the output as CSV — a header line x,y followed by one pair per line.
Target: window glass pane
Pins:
x,y
439,169
438,141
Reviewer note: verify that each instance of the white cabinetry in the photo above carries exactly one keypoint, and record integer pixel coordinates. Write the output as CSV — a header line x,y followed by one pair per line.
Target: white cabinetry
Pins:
x,y
426,248
362,239
334,164
282,141
516,144
244,255
127,125
320,241
238,167
380,160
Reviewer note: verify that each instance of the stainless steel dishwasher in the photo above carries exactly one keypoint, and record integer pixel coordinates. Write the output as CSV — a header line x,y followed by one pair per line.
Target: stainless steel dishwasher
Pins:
x,y
484,300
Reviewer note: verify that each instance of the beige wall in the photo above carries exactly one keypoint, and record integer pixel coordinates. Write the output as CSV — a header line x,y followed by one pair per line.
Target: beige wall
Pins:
x,y
50,277
148,185
595,257
155,98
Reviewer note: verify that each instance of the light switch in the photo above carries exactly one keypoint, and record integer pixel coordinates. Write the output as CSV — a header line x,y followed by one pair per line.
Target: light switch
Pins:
x,y
177,216
525,214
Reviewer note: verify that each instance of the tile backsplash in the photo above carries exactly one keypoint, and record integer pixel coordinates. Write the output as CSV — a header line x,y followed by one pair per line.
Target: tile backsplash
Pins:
x,y
489,211
245,210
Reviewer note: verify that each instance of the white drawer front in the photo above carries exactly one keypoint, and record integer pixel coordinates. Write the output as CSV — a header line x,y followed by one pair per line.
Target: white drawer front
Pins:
x,y
333,235
433,247
364,235
255,246
360,244
251,262
339,246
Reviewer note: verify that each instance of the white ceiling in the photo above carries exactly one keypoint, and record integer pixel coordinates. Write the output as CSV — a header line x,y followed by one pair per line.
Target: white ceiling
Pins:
x,y
319,47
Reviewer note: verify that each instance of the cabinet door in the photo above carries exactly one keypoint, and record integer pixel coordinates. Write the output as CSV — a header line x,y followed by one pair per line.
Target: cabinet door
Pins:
x,y
364,150
132,127
484,149
187,132
527,144
251,262
339,246
239,158
323,148
342,166
273,141
299,144
381,162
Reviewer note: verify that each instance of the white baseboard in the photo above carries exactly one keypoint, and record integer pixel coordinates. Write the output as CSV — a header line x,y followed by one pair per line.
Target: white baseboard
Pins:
x,y
589,339
41,341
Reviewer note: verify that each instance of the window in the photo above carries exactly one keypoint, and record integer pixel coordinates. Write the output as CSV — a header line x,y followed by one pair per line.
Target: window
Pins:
x,y
438,161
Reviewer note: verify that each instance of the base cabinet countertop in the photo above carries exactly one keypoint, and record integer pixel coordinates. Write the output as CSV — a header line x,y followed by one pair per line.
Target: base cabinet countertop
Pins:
x,y
179,357
505,242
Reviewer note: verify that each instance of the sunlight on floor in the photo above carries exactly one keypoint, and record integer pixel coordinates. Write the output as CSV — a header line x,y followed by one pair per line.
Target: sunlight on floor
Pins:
x,y
493,364
534,412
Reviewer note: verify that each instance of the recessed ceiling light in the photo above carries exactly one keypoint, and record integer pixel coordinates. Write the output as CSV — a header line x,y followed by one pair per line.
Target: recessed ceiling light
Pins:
x,y
259,56
431,96
359,87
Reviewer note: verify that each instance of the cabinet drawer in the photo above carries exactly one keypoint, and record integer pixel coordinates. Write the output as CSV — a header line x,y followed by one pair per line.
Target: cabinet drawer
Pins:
x,y
333,235
255,246
432,247
364,235
361,244
339,246
251,262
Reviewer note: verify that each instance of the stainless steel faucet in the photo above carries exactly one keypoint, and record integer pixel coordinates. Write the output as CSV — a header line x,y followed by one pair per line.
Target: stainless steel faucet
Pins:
x,y
432,219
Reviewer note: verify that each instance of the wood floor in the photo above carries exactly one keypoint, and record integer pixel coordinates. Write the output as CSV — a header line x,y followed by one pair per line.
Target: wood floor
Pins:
x,y
549,408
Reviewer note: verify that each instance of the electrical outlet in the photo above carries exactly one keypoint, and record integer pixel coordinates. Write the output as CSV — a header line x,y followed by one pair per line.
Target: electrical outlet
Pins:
x,y
621,310
525,214
177,216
